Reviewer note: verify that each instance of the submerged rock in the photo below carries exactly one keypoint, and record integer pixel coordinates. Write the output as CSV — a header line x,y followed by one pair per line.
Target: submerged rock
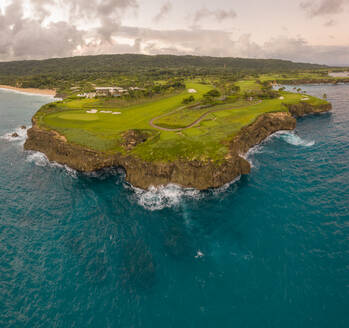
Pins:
x,y
23,127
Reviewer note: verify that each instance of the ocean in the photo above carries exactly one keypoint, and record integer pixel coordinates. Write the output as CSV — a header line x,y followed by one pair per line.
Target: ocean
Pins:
x,y
268,250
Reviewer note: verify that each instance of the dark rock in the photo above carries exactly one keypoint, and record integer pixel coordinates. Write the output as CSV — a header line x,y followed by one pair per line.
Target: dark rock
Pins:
x,y
14,135
303,108
23,127
132,138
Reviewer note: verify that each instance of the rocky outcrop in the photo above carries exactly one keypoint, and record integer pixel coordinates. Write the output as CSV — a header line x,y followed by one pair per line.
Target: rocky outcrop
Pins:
x,y
264,126
132,138
192,174
142,174
302,109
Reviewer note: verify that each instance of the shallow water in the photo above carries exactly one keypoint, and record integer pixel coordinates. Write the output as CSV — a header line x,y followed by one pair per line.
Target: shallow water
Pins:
x,y
270,250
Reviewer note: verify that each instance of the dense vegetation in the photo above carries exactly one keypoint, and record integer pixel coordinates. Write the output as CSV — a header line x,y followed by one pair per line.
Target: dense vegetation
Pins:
x,y
130,69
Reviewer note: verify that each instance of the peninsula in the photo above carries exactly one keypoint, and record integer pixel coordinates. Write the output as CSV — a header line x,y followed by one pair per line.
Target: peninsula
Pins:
x,y
193,134
165,119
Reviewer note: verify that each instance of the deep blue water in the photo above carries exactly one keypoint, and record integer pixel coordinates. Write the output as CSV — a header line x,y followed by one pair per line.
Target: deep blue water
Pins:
x,y
271,250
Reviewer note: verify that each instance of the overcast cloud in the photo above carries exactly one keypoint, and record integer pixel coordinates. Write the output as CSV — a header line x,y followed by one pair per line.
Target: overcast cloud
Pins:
x,y
323,7
35,29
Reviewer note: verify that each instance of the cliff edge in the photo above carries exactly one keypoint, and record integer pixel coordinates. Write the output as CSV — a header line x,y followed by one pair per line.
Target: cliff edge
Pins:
x,y
191,174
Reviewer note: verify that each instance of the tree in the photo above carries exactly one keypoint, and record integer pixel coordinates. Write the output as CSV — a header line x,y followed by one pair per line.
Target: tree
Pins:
x,y
214,93
188,100
324,96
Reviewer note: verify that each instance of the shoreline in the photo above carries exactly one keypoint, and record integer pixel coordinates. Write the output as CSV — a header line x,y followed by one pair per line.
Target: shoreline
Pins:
x,y
30,91
195,174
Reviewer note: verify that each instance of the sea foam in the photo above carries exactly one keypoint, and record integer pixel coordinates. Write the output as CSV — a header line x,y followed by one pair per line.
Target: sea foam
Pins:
x,y
293,139
172,195
41,159
155,199
20,139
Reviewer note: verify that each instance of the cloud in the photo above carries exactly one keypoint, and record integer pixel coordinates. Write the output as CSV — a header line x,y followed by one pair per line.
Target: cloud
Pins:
x,y
37,36
323,7
219,14
164,11
199,42
27,38
107,13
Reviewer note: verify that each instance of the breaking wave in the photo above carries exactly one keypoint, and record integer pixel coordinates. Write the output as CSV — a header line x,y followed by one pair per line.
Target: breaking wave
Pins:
x,y
293,139
172,195
19,135
40,159
155,199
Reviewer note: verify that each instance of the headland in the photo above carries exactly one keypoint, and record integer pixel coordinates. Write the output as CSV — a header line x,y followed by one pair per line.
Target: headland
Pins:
x,y
194,135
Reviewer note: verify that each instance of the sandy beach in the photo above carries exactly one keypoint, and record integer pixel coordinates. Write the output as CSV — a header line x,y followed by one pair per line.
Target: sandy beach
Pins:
x,y
42,92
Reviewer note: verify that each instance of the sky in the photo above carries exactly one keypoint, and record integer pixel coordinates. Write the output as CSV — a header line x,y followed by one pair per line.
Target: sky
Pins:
x,y
315,31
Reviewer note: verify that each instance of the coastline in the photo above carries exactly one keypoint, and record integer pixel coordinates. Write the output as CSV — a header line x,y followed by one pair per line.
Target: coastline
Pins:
x,y
30,91
200,175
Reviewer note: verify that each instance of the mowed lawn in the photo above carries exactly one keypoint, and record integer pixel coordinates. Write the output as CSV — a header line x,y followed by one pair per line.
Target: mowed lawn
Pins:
x,y
208,139
248,86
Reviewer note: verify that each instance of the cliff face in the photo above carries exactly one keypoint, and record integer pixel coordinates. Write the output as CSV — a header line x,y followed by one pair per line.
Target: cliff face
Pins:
x,y
303,109
192,174
142,174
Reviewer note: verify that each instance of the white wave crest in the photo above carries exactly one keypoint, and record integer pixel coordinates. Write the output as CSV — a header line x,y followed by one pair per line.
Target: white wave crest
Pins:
x,y
41,159
172,195
155,199
37,158
294,139
19,135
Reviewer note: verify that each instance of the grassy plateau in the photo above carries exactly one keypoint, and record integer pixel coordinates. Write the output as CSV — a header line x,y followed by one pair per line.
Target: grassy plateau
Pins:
x,y
173,132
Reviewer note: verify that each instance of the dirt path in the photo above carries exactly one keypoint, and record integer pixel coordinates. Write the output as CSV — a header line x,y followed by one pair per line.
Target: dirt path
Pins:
x,y
196,122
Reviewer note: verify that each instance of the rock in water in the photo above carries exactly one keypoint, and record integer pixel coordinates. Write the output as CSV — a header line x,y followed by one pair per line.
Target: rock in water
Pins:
x,y
23,127
14,135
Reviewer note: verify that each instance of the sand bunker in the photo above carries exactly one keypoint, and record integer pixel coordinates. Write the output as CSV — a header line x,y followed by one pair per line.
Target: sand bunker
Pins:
x,y
94,111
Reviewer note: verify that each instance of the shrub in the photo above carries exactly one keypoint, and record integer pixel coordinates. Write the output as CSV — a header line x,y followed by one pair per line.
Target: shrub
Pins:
x,y
188,100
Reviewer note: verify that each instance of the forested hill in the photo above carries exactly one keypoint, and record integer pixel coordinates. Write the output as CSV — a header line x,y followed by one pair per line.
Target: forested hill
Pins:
x,y
49,72
140,63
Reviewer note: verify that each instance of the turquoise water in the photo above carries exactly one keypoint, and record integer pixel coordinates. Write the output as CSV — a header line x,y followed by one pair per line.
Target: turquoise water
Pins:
x,y
270,250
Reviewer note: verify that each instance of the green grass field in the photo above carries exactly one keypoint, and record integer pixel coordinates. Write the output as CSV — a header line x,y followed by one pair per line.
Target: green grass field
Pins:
x,y
103,132
248,85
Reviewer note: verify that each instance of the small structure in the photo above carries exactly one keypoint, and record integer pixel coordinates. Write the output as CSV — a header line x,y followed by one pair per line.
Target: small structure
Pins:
x,y
110,91
192,91
89,95
92,111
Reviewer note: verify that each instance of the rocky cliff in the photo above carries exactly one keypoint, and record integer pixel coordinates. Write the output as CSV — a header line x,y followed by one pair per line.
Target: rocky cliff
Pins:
x,y
192,174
